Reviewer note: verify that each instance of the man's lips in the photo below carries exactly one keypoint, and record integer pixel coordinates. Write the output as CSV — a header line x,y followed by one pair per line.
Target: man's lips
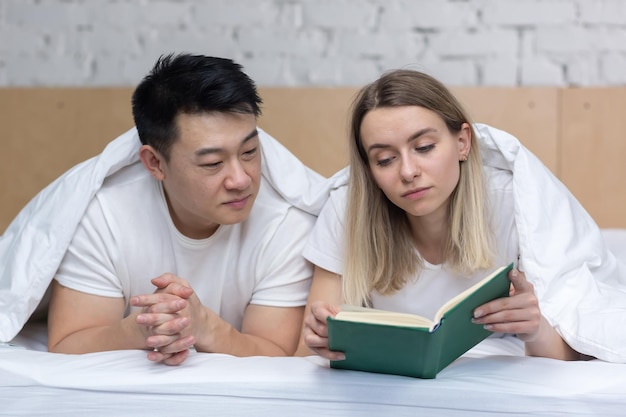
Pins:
x,y
238,203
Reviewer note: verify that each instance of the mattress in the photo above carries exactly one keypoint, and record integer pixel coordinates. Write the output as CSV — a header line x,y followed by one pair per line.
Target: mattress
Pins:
x,y
494,378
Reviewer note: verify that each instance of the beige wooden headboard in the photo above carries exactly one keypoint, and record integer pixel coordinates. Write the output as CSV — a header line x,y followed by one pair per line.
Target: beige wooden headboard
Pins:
x,y
575,132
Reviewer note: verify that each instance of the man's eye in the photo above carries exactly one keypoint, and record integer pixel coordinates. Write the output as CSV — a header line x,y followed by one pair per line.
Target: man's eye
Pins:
x,y
212,165
250,152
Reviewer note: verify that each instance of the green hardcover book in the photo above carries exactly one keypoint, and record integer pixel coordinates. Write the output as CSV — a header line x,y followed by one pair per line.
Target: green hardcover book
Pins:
x,y
405,344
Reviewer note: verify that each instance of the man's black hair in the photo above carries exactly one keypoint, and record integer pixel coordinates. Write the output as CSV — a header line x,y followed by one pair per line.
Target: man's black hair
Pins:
x,y
191,84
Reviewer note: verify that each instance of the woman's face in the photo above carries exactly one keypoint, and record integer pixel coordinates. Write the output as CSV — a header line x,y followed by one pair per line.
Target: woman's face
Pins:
x,y
413,158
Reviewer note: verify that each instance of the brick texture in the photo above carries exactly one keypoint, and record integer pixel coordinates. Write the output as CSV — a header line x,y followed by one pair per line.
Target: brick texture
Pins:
x,y
318,42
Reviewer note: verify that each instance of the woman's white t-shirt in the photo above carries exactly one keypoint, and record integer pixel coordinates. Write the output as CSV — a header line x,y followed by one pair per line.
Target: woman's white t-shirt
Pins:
x,y
436,284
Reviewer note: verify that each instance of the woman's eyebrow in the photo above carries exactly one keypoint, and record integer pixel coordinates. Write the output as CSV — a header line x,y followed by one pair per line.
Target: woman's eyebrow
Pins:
x,y
409,139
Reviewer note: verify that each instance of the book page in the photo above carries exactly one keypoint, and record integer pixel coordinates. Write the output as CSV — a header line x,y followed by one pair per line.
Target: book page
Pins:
x,y
371,315
455,300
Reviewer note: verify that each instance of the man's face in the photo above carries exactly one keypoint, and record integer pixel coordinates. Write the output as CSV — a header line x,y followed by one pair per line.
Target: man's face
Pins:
x,y
213,173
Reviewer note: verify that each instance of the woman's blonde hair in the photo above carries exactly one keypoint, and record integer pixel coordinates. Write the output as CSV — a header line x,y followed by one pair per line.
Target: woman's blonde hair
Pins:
x,y
380,253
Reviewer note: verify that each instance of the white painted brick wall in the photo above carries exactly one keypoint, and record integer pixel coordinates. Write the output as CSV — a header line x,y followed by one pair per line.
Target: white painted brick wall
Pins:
x,y
531,13
318,42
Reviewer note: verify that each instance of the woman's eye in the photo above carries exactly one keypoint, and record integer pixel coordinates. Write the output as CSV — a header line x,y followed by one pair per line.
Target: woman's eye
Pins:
x,y
424,149
383,162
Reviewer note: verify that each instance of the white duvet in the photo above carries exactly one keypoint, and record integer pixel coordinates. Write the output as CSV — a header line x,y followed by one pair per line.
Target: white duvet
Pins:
x,y
580,284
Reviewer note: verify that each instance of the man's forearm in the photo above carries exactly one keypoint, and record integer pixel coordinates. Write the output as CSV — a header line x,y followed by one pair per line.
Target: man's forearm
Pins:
x,y
277,336
124,334
232,342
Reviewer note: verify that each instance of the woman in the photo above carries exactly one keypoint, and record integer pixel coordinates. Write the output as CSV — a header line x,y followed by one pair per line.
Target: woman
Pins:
x,y
425,219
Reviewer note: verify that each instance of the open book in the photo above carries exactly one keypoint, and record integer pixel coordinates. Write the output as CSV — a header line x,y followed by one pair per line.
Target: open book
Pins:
x,y
406,344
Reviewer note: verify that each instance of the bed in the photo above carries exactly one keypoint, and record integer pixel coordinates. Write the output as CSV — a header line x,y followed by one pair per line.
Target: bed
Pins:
x,y
494,378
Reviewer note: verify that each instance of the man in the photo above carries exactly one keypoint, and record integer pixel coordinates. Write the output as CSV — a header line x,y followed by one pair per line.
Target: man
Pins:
x,y
189,247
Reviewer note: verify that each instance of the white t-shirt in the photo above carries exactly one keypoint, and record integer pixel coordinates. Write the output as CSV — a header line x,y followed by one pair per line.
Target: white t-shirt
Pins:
x,y
424,294
127,237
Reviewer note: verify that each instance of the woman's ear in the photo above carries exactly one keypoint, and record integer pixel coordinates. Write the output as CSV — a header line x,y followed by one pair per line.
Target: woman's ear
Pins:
x,y
465,141
152,161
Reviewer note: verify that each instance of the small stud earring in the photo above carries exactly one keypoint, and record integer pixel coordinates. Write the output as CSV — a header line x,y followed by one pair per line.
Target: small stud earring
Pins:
x,y
463,158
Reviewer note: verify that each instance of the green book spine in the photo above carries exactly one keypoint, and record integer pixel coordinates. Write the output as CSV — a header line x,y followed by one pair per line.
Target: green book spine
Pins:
x,y
412,351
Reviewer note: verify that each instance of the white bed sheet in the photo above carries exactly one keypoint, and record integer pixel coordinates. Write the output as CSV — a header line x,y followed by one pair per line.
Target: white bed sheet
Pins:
x,y
493,379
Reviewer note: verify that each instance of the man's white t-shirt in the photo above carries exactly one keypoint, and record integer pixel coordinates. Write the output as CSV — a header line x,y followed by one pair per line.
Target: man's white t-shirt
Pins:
x,y
436,284
127,237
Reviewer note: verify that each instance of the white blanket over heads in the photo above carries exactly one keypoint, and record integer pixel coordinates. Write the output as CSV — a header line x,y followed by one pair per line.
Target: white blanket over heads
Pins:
x,y
580,284
35,242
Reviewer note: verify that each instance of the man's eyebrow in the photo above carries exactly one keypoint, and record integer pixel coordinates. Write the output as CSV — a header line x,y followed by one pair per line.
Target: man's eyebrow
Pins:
x,y
409,139
208,151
